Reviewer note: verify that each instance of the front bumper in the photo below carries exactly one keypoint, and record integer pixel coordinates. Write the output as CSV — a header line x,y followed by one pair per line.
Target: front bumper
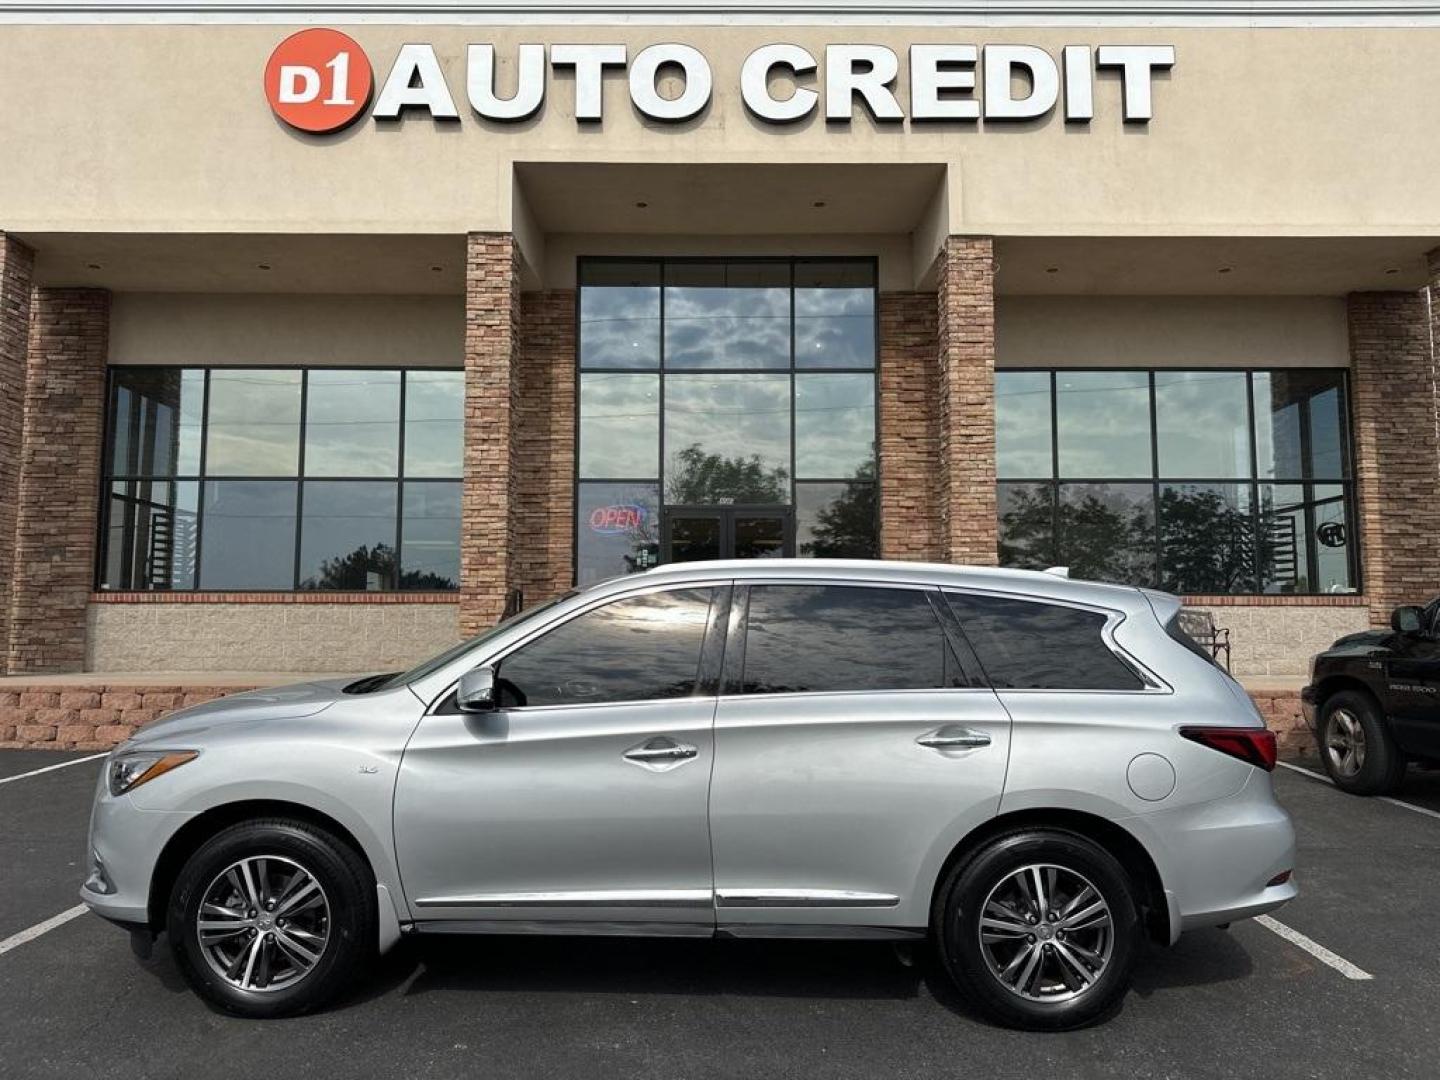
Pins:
x,y
125,845
1310,706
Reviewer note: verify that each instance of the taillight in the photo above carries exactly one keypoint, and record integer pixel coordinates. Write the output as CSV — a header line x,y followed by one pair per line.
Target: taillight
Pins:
x,y
1253,745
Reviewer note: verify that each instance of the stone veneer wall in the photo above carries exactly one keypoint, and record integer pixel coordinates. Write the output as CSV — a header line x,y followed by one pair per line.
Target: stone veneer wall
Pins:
x,y
1397,451
966,399
488,519
545,446
16,264
232,634
59,479
909,427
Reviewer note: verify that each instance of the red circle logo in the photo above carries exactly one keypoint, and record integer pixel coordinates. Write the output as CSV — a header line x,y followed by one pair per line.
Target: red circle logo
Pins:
x,y
318,80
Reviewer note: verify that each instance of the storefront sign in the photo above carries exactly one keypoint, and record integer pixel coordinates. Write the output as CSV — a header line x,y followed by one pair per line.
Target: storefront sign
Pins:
x,y
320,80
615,520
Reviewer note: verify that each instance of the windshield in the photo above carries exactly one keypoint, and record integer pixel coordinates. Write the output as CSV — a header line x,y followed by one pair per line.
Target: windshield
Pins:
x,y
434,664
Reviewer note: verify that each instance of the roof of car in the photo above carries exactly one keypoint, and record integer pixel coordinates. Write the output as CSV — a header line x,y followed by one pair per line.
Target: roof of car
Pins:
x,y
1025,582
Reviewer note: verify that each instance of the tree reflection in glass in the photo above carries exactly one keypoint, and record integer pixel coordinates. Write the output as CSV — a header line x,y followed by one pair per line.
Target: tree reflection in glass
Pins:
x,y
1106,532
837,520
696,478
1208,536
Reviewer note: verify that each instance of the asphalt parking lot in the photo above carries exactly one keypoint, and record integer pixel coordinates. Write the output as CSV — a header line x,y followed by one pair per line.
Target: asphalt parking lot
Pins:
x,y
1246,1002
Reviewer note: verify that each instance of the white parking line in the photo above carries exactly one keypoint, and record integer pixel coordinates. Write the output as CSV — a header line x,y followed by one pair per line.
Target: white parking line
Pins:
x,y
1382,798
14,941
51,768
1314,948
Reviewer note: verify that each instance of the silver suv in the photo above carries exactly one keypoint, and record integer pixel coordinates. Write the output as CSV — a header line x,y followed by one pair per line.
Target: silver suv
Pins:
x,y
1036,773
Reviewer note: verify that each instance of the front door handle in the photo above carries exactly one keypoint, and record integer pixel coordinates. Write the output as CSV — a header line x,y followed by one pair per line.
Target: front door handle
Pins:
x,y
660,751
954,737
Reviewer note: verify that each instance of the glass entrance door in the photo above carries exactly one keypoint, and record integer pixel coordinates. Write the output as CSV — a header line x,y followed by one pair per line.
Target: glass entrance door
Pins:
x,y
697,533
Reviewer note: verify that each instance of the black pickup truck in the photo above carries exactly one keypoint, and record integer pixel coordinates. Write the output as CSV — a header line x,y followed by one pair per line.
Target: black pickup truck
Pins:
x,y
1374,701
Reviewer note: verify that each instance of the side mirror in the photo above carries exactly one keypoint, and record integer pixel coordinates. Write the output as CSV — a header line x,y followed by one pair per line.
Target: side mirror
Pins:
x,y
476,692
1407,620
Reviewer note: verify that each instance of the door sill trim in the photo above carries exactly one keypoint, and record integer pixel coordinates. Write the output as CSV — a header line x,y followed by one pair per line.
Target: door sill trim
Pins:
x,y
566,928
813,932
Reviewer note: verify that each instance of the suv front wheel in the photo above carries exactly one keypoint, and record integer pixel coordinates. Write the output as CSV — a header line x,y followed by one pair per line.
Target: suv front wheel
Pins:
x,y
272,917
1040,929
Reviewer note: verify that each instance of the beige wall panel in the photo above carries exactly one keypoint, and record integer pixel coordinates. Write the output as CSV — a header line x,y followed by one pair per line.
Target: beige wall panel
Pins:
x,y
165,127
1171,331
1281,640
267,637
264,328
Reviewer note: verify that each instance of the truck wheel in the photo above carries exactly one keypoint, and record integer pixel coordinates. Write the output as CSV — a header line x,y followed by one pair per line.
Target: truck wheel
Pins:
x,y
272,917
1356,747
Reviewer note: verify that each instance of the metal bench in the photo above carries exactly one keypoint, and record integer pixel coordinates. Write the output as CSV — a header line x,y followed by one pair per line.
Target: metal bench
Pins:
x,y
1200,625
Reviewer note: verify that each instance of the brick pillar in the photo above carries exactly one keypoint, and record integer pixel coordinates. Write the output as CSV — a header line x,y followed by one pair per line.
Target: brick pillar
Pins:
x,y
488,527
16,263
966,402
1397,458
909,427
545,444
59,479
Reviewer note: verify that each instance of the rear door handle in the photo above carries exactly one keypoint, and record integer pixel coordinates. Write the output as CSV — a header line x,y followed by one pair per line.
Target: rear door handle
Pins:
x,y
954,737
660,751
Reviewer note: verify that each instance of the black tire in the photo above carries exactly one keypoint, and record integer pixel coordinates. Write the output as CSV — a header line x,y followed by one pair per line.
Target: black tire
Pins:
x,y
1381,768
969,963
347,915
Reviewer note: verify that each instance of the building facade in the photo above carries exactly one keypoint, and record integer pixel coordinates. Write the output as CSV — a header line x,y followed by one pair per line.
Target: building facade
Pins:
x,y
323,345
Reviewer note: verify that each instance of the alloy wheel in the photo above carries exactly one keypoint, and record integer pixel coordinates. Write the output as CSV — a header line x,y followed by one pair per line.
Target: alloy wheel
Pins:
x,y
1345,743
1046,933
263,923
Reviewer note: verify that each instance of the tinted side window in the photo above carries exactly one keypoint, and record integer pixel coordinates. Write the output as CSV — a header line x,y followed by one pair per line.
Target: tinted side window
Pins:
x,y
1028,645
637,649
836,637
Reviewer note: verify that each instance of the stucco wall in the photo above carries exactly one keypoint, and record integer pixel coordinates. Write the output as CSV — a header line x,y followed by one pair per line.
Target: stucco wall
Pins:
x,y
1166,331
219,637
165,127
267,328
1280,641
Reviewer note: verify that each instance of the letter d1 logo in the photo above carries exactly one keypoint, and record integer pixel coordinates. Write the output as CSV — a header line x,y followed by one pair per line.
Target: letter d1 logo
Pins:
x,y
318,80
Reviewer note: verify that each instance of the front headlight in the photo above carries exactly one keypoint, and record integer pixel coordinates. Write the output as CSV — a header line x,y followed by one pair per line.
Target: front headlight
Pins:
x,y
129,771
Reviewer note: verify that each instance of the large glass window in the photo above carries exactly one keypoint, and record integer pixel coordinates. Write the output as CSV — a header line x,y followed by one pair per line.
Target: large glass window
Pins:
x,y
744,382
1201,482
282,479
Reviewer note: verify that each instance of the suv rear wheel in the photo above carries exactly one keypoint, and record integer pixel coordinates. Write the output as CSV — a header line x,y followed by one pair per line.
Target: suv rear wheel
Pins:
x,y
272,917
1040,929
1355,745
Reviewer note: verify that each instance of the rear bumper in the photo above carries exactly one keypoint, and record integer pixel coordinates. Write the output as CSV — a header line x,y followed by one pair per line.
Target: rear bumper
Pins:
x,y
1217,859
1310,706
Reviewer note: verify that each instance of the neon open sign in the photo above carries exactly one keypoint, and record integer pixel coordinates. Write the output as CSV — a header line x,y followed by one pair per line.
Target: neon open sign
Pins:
x,y
621,518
